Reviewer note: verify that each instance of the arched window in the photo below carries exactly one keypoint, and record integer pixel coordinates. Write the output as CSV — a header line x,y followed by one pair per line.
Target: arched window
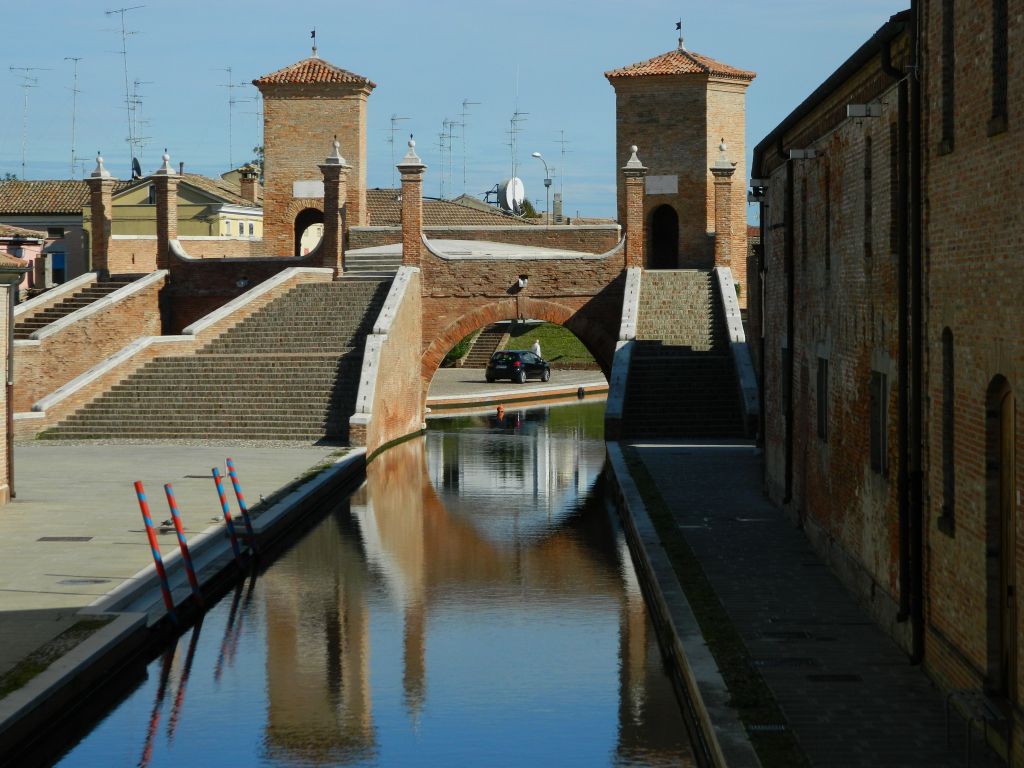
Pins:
x,y
946,520
664,253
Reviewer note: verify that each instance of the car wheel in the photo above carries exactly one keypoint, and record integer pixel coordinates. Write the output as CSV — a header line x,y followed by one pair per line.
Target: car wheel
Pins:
x,y
546,376
520,377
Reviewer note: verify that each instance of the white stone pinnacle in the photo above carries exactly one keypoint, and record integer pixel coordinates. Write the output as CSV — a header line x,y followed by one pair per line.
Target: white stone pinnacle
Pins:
x,y
335,158
165,169
634,161
100,172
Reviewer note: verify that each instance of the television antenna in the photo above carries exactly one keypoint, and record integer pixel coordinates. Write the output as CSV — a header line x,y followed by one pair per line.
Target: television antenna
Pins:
x,y
231,86
514,131
138,140
395,120
74,109
125,32
442,142
28,80
466,103
448,126
561,175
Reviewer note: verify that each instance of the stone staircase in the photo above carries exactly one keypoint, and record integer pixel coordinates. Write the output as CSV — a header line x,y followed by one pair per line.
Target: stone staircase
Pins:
x,y
361,262
25,327
290,371
682,381
484,345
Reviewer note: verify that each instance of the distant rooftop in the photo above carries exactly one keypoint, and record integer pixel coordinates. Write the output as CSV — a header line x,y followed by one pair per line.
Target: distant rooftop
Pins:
x,y
46,196
384,208
680,62
8,232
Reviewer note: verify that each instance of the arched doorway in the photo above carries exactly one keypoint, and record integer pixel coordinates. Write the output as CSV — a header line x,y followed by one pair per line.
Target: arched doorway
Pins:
x,y
309,228
664,229
1001,535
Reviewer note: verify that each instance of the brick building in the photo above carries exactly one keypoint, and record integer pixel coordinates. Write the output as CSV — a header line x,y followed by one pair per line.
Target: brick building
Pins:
x,y
891,346
678,108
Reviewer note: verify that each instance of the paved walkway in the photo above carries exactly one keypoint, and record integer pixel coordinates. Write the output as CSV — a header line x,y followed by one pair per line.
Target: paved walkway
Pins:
x,y
470,382
75,532
847,691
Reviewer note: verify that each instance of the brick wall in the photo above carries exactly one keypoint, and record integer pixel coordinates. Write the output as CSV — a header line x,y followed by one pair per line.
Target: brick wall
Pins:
x,y
398,399
221,248
299,124
974,236
587,239
43,366
459,296
845,313
126,256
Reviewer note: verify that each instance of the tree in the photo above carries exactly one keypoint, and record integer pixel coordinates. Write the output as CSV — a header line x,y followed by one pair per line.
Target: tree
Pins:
x,y
258,160
527,211
8,176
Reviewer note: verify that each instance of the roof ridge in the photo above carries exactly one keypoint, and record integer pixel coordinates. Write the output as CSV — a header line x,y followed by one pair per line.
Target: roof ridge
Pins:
x,y
312,69
680,61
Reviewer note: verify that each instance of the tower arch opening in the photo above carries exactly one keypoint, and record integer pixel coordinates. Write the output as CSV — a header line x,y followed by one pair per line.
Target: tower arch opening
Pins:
x,y
309,228
664,247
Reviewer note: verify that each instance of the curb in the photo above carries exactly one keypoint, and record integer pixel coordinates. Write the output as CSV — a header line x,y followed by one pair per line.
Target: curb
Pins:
x,y
539,395
30,708
724,738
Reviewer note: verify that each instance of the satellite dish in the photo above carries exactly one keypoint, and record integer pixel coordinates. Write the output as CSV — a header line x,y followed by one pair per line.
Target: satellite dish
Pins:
x,y
136,168
511,194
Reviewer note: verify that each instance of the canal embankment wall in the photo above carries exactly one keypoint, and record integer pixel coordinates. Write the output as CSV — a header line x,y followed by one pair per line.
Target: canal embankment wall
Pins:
x,y
722,736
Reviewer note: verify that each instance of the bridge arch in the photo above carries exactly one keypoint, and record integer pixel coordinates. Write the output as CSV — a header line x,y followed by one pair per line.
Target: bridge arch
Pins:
x,y
594,334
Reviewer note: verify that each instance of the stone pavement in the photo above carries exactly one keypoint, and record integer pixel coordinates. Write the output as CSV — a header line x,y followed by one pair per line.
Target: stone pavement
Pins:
x,y
848,692
75,532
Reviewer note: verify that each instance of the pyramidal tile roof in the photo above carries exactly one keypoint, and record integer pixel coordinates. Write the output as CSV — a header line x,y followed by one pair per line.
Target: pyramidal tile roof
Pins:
x,y
312,70
680,62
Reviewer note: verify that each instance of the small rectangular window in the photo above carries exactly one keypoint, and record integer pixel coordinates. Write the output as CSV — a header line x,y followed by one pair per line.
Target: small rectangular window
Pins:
x,y
252,229
54,233
151,199
823,399
241,228
879,423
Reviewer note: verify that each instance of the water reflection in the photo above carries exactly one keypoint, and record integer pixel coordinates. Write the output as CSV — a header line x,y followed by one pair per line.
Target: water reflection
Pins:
x,y
473,603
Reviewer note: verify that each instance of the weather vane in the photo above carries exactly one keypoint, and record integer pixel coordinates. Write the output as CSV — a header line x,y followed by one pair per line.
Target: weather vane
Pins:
x,y
679,27
312,34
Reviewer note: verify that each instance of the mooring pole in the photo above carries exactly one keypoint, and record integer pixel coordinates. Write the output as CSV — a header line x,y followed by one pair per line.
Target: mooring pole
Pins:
x,y
227,515
183,544
154,547
233,474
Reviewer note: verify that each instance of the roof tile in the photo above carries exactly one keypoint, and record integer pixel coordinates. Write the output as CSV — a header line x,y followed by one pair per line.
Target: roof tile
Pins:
x,y
384,207
46,197
7,231
680,62
312,70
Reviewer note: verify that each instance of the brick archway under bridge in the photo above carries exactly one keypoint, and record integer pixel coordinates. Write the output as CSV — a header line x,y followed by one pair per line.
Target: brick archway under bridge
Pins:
x,y
595,322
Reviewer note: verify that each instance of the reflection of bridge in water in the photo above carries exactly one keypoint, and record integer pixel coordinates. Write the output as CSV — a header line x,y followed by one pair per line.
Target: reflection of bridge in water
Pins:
x,y
462,550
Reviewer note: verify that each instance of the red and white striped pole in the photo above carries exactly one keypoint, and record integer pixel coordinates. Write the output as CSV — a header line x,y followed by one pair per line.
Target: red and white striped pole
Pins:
x,y
227,514
154,547
186,556
233,474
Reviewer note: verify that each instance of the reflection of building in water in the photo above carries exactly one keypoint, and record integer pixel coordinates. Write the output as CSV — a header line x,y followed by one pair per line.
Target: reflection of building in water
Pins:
x,y
425,548
318,650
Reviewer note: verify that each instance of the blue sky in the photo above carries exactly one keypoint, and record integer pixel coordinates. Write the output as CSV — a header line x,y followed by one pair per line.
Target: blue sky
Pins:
x,y
426,58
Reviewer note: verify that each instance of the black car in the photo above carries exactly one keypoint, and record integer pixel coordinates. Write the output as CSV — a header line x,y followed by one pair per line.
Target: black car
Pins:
x,y
517,365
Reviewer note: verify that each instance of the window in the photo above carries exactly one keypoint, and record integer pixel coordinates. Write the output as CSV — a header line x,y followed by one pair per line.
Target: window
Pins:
x,y
55,233
1000,66
57,268
948,75
869,198
879,423
823,399
227,227
241,228
151,200
948,443
252,229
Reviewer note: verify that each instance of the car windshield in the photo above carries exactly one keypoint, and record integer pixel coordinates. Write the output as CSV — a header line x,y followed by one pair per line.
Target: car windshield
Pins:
x,y
504,357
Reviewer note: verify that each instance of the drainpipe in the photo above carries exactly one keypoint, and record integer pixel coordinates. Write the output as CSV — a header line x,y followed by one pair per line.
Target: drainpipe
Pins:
x,y
916,348
903,358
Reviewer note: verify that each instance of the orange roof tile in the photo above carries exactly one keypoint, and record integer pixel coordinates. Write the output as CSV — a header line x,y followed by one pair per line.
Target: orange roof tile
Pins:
x,y
55,196
680,62
312,70
12,261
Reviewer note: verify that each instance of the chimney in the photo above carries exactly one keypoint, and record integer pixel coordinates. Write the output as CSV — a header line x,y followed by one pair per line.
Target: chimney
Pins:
x,y
249,184
557,205
181,168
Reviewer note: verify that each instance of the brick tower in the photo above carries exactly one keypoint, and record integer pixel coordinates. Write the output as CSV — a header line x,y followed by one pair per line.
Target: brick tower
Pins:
x,y
678,108
305,106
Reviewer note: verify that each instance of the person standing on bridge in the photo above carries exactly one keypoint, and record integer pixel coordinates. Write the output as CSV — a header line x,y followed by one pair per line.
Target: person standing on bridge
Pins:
x,y
536,348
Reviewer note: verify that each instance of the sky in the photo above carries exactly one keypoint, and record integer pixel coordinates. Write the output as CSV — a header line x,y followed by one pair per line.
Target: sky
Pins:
x,y
544,59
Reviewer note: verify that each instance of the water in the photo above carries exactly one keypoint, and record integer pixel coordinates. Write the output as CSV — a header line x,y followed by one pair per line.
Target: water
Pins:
x,y
472,604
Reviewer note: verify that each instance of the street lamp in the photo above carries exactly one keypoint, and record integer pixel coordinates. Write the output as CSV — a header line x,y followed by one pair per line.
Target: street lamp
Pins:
x,y
547,188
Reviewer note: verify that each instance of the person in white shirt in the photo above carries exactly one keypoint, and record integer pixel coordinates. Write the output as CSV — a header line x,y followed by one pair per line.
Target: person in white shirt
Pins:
x,y
536,348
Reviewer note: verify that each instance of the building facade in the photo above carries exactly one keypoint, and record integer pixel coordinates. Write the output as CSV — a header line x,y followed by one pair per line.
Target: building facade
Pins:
x,y
891,349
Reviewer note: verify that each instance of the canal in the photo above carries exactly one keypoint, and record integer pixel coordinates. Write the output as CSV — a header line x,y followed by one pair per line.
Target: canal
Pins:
x,y
473,603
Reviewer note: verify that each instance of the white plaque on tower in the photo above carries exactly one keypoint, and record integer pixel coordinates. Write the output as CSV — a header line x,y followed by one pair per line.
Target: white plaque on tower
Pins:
x,y
314,188
661,185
